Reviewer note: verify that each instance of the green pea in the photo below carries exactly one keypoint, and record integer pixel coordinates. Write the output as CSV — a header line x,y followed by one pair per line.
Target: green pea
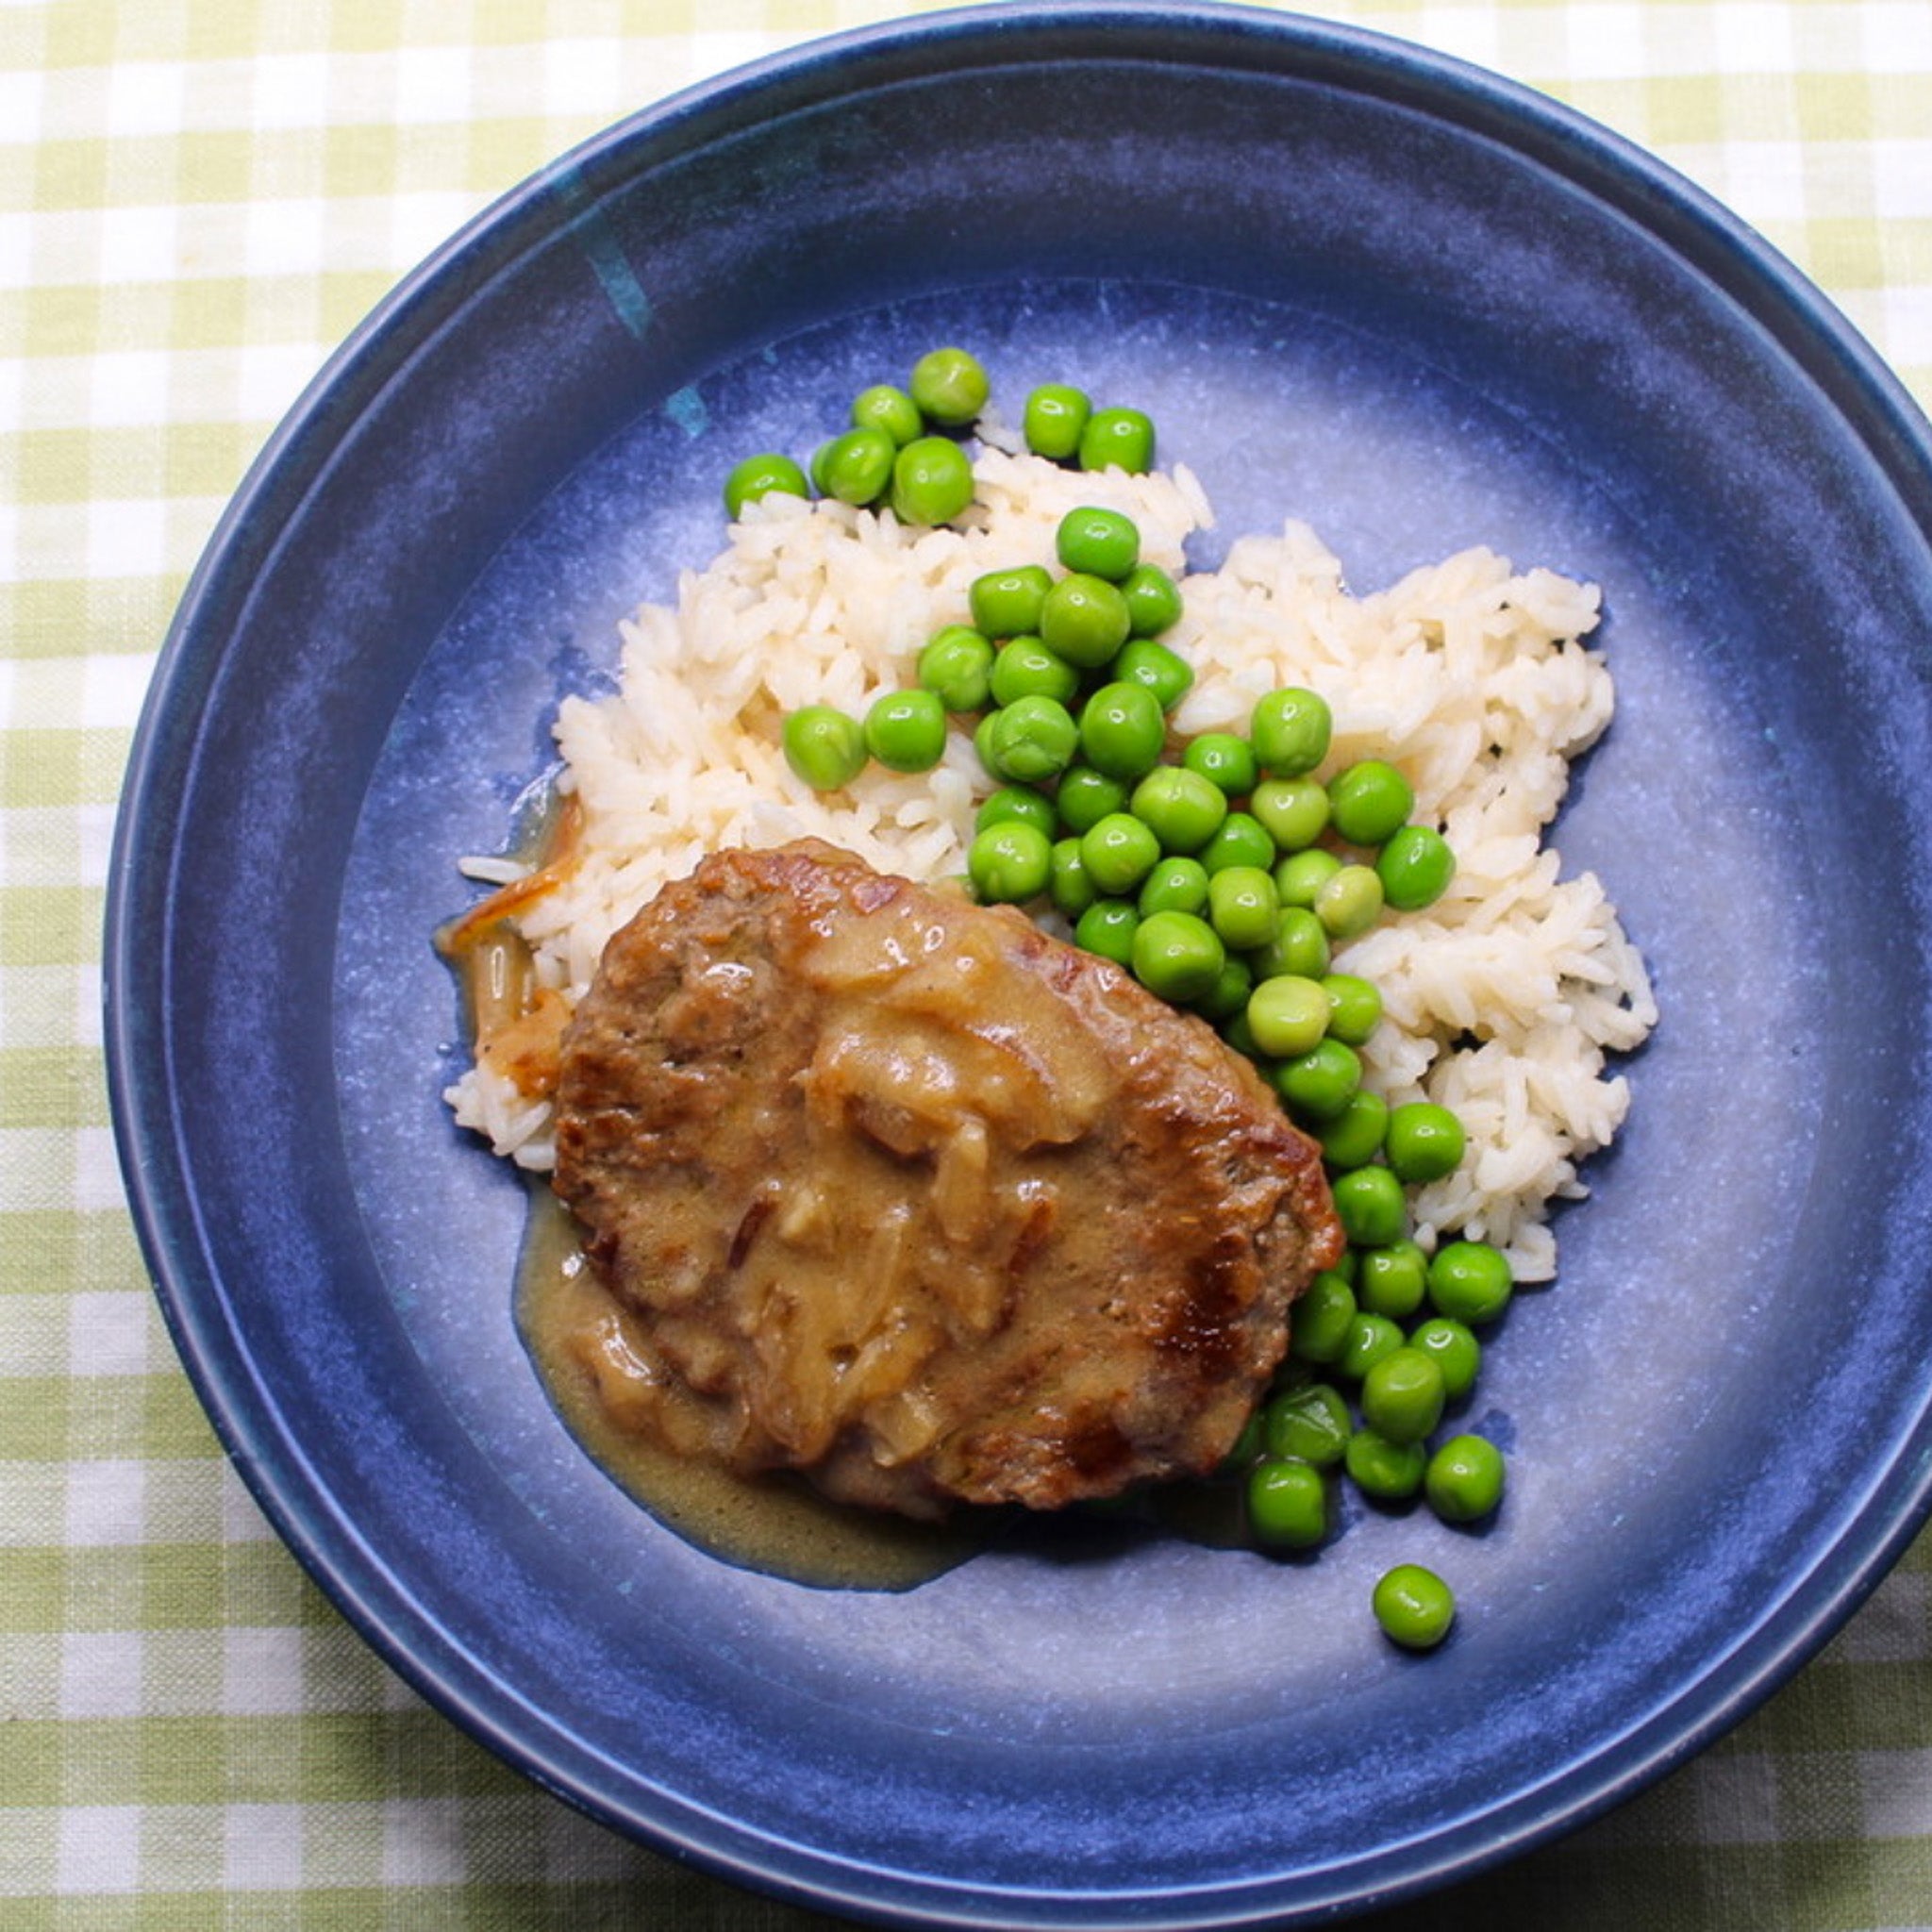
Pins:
x,y
1299,946
1354,1136
1176,955
1287,1015
1425,1141
983,734
1098,542
932,481
1370,1338
1470,1282
1287,1504
1464,1480
1006,603
1369,1205
1067,884
1226,759
1120,852
824,746
1240,841
956,666
1153,600
1108,927
1368,800
1228,995
1122,731
856,467
1118,439
1320,1320
1032,740
1241,905
1009,862
1182,808
1084,620
949,386
1294,811
906,730
1174,884
1318,1085
1016,802
1392,1281
882,406
1402,1395
768,474
1289,730
1415,866
1414,1607
1310,1424
1348,901
1247,1445
1456,1351
1025,668
1054,417
1235,1030
1165,672
1389,1472
1302,874
1086,797
1355,1007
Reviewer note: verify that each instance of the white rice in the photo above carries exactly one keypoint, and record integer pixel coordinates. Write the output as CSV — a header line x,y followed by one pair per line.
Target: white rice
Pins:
x,y
1502,1001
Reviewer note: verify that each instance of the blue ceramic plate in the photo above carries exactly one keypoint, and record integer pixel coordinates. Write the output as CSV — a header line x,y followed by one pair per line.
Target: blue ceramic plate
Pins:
x,y
1355,283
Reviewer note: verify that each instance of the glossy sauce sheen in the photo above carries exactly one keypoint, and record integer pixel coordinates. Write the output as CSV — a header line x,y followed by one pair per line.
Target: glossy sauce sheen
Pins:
x,y
587,1351
920,1202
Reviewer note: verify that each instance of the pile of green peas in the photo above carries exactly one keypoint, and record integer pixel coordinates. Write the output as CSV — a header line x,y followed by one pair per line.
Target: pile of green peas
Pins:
x,y
1384,1349
1050,665
901,447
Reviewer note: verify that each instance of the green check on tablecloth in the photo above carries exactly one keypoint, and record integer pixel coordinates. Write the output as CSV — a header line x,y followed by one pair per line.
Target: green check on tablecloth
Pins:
x,y
201,198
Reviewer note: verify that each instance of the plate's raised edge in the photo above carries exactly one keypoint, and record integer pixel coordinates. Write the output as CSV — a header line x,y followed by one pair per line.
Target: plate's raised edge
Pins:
x,y
1796,314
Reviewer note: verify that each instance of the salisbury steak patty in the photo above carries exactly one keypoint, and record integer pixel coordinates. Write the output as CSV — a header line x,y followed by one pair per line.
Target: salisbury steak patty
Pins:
x,y
912,1197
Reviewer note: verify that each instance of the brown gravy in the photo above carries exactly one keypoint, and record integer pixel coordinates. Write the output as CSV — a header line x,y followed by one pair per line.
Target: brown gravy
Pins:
x,y
577,1336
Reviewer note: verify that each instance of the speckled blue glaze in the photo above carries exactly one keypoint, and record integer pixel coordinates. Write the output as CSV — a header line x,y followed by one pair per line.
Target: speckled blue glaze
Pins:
x,y
1357,284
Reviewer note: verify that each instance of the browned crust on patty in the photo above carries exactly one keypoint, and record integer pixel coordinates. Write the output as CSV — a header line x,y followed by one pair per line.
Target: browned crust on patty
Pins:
x,y
906,1194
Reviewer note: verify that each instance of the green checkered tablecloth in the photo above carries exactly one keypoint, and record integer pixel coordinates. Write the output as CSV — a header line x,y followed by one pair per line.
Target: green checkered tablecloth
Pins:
x,y
199,199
